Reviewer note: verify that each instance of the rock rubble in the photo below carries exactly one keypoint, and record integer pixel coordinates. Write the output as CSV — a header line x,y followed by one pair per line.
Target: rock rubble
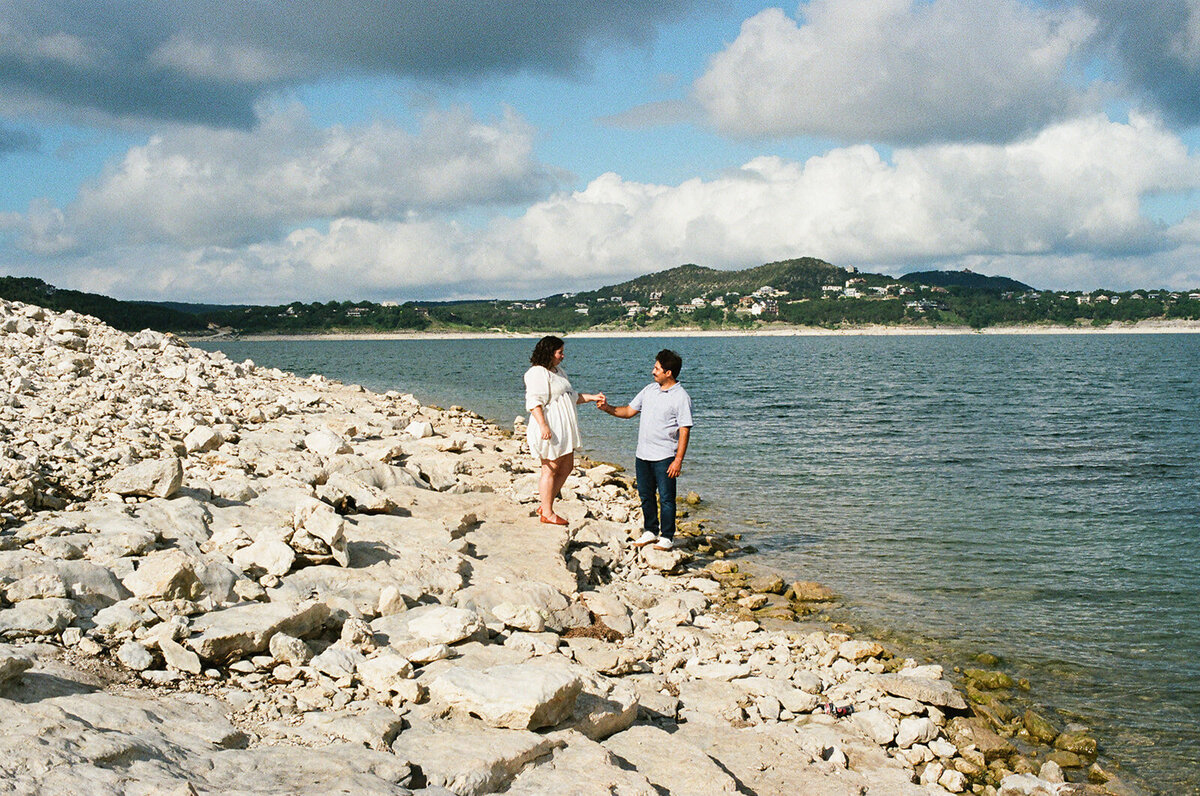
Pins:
x,y
221,577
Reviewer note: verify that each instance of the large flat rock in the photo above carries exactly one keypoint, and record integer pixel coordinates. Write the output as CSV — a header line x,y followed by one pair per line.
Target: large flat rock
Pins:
x,y
470,759
521,696
922,689
246,629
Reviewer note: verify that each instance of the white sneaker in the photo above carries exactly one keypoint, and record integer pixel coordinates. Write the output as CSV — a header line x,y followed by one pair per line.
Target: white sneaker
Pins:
x,y
645,539
663,543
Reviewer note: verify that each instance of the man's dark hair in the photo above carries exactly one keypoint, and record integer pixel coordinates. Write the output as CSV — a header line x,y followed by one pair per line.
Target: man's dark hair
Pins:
x,y
543,352
670,361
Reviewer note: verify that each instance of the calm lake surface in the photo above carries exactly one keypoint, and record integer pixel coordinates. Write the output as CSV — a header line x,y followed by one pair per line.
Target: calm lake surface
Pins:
x,y
1036,497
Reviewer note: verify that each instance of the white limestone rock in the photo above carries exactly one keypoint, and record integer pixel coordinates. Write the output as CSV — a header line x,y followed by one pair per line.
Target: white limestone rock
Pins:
x,y
879,726
514,696
179,657
419,429
289,649
201,439
337,662
581,768
246,629
165,574
269,555
915,730
674,766
152,478
922,689
324,442
386,673
442,624
470,760
37,617
134,656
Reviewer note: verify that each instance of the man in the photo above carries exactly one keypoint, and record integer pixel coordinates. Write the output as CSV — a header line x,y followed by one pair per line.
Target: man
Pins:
x,y
663,431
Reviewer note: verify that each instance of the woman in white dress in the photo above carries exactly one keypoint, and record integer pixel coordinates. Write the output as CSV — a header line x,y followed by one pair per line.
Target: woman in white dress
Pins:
x,y
553,426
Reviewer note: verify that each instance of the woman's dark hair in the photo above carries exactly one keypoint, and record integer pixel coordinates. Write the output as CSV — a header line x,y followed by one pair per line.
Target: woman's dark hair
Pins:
x,y
670,361
543,352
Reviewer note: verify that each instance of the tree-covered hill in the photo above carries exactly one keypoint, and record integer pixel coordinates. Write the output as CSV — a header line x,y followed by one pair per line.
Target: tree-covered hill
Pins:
x,y
967,279
129,316
800,277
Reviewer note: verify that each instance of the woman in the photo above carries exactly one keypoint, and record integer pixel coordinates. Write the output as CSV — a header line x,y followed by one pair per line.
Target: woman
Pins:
x,y
553,427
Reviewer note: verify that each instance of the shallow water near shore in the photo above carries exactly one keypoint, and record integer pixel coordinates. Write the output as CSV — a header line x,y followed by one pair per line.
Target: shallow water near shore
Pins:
x,y
1036,497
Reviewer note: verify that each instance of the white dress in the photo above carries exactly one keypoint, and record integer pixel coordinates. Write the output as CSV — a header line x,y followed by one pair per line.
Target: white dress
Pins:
x,y
551,391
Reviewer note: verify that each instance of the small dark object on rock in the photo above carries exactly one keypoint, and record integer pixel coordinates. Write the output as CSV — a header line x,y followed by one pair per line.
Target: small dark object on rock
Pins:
x,y
836,711
599,631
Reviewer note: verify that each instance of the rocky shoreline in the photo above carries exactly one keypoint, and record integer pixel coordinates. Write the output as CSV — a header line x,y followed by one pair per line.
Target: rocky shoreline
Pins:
x,y
218,577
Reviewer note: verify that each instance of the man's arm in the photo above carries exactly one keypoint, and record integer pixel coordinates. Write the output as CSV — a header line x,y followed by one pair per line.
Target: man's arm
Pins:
x,y
676,466
616,411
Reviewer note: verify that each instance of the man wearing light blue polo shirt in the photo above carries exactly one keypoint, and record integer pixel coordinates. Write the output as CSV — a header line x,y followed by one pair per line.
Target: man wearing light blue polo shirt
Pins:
x,y
663,431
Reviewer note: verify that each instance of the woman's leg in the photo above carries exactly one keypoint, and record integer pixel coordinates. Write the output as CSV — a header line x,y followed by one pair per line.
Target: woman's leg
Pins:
x,y
562,470
546,488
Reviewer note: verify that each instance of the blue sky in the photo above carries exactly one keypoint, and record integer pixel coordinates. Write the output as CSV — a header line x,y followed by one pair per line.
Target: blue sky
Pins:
x,y
313,150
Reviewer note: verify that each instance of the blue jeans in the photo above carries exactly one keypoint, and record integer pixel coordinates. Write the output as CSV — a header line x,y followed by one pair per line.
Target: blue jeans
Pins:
x,y
652,477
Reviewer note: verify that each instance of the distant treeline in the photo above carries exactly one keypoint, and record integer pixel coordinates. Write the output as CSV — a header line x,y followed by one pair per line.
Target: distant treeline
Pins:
x,y
803,292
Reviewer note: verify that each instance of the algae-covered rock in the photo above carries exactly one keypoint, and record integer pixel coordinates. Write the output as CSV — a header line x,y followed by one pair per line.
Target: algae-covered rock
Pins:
x,y
991,680
1039,727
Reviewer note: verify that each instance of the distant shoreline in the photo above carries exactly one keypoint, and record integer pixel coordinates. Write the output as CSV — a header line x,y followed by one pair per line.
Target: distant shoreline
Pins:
x,y
1141,327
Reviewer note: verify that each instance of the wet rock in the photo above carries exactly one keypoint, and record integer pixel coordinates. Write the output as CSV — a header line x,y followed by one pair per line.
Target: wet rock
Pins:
x,y
1039,727
810,591
990,680
1080,743
973,732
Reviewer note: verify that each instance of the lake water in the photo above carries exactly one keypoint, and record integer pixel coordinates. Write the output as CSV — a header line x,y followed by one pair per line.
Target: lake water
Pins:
x,y
1036,497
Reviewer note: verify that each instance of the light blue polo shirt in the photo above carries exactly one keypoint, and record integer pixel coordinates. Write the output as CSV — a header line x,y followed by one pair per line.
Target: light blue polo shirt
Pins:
x,y
663,413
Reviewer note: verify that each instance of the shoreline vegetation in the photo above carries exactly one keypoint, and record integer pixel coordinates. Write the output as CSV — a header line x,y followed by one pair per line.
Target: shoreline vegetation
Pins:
x,y
799,296
772,330
237,578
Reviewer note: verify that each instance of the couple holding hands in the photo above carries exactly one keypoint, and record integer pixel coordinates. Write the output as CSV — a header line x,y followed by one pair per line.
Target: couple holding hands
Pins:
x,y
666,422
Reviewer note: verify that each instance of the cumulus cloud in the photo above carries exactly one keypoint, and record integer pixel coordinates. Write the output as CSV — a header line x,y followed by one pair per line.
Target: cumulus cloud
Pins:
x,y
1049,209
897,71
1157,48
198,187
204,61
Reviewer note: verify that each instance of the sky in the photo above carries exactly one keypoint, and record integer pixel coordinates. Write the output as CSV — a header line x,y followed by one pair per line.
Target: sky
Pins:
x,y
249,151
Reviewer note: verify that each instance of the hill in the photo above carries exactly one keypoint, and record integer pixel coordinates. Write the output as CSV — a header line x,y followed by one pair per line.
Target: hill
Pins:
x,y
800,277
128,316
967,279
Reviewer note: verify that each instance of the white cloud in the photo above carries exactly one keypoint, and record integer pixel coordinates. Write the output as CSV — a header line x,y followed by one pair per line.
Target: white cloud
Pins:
x,y
1057,209
897,70
197,187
